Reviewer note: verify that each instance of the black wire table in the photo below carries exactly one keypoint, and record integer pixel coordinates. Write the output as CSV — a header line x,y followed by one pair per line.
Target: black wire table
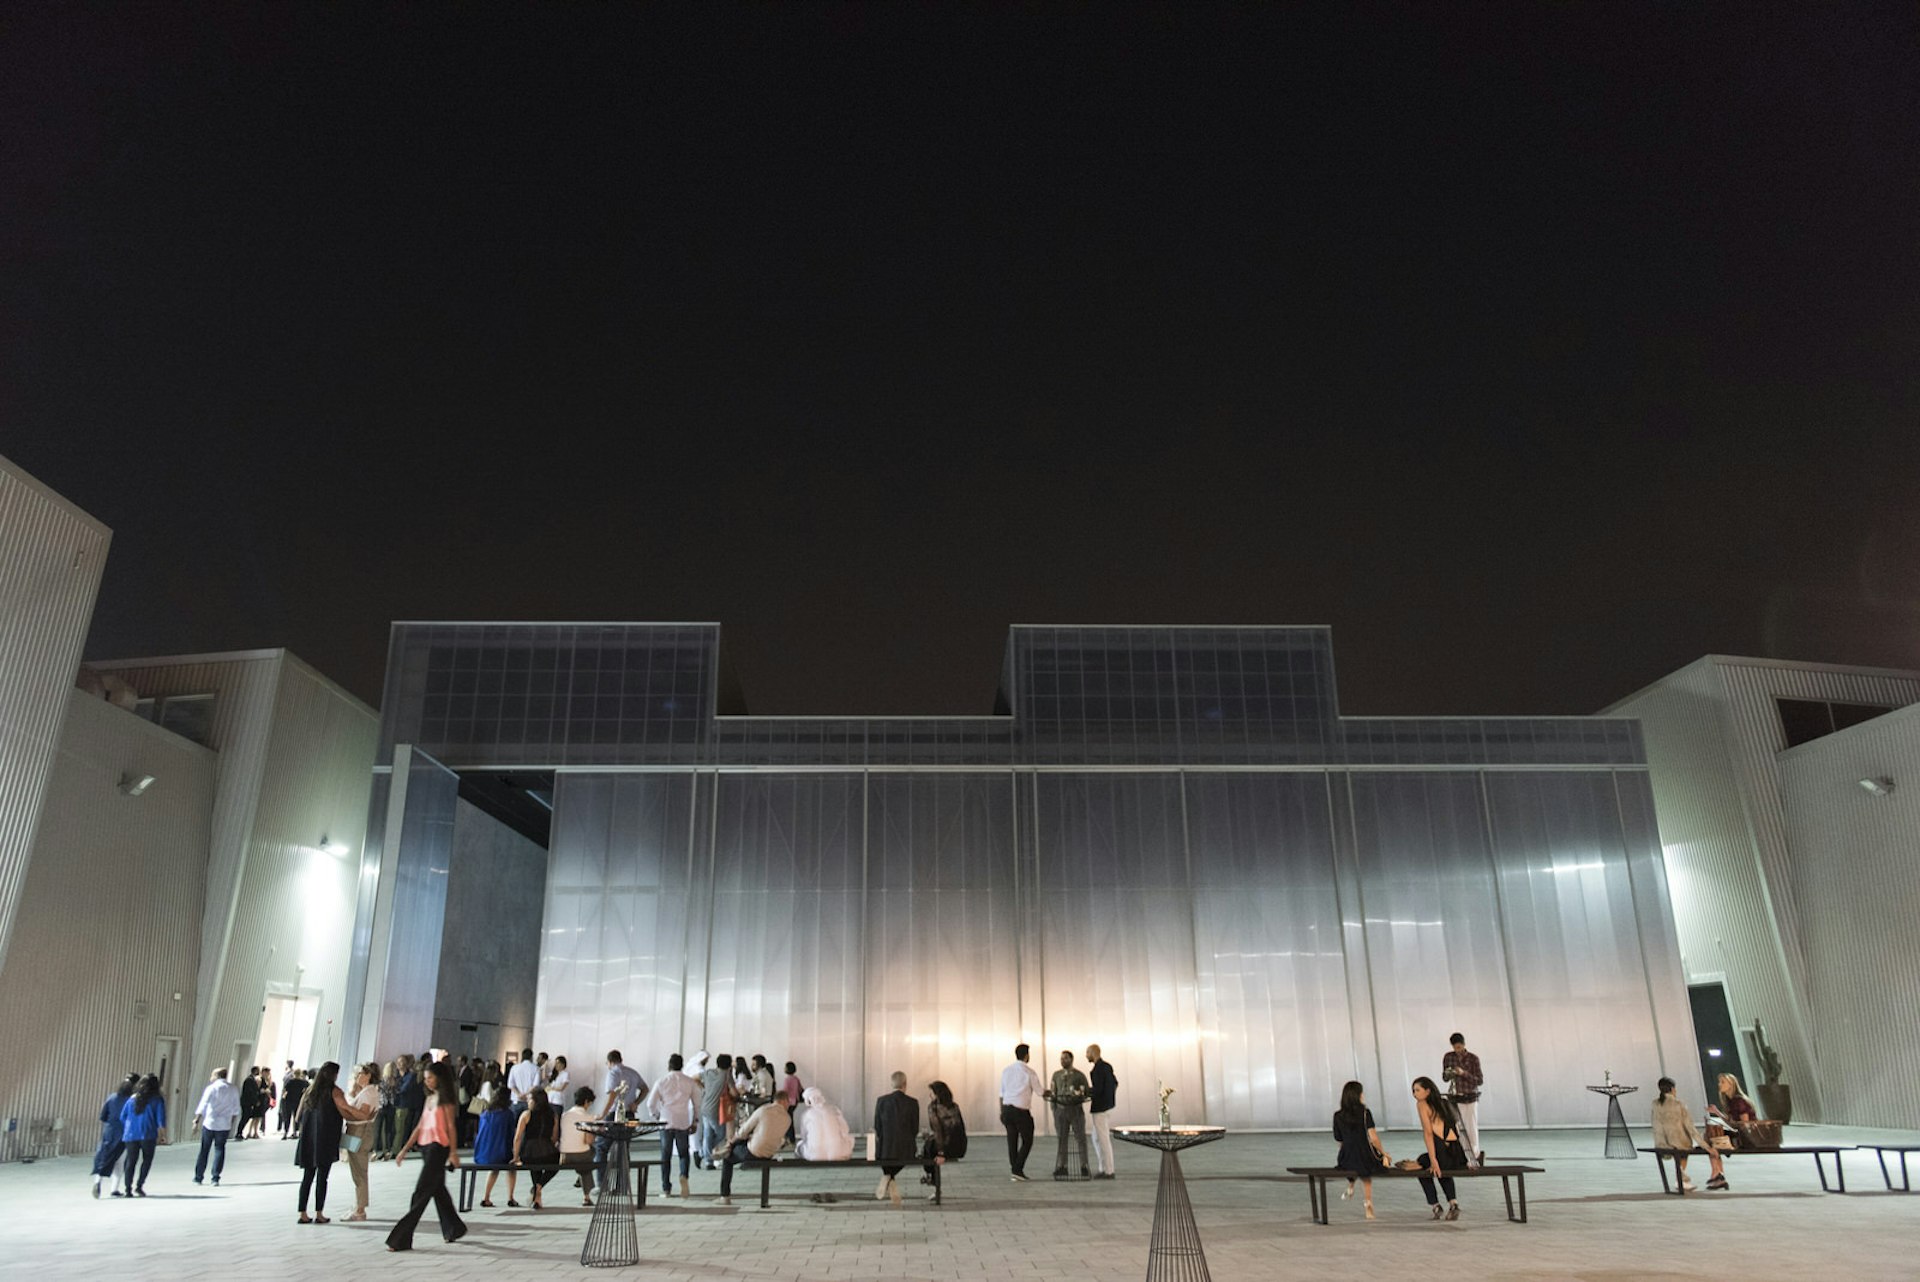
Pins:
x,y
1619,1138
613,1237
1175,1255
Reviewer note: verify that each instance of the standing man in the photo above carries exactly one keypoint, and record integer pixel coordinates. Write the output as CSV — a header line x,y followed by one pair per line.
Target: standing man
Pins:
x,y
1018,1085
1104,1086
625,1090
291,1089
249,1101
672,1101
713,1132
219,1109
1067,1093
522,1082
1461,1069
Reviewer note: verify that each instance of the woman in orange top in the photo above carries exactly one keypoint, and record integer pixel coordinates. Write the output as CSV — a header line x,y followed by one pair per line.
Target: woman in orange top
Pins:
x,y
435,1137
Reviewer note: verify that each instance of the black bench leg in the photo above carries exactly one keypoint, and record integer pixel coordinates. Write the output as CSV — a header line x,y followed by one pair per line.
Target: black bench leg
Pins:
x,y
1660,1163
1523,1197
766,1180
1821,1167
1317,1198
936,1183
467,1181
1906,1185
1506,1191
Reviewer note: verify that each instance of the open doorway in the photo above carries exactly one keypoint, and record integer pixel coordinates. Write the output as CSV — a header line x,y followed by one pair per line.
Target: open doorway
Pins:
x,y
166,1066
1713,1028
287,1019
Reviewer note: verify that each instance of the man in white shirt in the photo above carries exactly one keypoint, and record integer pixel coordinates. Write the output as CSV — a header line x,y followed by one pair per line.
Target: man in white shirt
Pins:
x,y
1018,1085
523,1080
219,1109
672,1101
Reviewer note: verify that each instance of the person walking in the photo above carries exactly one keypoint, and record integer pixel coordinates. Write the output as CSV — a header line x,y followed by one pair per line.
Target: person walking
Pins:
x,y
143,1127
1362,1156
1673,1129
493,1144
1018,1085
673,1101
896,1121
291,1089
1444,1151
946,1131
1067,1093
363,1107
1104,1086
106,1158
713,1123
1461,1071
434,1136
214,1117
536,1143
320,1124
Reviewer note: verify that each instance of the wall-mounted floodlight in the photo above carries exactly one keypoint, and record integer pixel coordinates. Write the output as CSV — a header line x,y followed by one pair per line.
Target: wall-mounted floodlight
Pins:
x,y
338,849
1878,787
133,785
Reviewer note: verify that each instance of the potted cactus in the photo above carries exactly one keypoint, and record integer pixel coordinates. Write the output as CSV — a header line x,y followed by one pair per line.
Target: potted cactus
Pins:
x,y
1776,1097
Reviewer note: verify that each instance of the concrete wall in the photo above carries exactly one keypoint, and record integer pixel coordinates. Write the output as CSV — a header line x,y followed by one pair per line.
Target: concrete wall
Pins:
x,y
108,930
51,555
1856,864
490,947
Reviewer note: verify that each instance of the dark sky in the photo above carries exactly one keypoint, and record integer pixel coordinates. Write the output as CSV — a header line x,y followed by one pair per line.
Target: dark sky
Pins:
x,y
1538,351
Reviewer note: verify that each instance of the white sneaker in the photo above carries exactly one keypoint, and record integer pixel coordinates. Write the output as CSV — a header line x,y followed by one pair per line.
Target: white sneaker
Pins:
x,y
723,1201
1688,1185
96,1186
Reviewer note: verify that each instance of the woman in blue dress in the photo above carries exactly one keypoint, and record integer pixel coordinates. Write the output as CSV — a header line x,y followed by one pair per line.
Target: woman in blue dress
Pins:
x,y
1362,1155
493,1144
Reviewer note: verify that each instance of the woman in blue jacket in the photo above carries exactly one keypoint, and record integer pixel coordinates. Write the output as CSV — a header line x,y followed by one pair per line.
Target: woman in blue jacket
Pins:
x,y
143,1124
107,1156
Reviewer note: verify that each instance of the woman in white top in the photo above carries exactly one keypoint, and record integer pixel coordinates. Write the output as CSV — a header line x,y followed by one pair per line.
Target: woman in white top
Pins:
x,y
560,1086
576,1145
365,1097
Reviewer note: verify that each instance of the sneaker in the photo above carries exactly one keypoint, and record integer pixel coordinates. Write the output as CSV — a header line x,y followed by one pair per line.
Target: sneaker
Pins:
x,y
196,1179
96,1186
723,1201
1687,1185
216,1184
1019,1177
140,1192
1060,1174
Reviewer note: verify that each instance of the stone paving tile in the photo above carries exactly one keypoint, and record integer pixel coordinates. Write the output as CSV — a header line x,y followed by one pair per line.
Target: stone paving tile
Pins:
x,y
1592,1219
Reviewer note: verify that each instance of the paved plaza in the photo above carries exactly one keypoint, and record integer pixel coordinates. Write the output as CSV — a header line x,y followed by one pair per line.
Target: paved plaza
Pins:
x,y
1592,1219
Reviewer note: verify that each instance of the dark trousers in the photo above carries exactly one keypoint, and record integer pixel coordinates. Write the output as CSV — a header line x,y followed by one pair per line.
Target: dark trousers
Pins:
x,y
216,1142
1019,1124
139,1153
670,1140
286,1116
1446,1186
738,1153
106,1156
402,1128
383,1141
609,1181
431,1187
314,1179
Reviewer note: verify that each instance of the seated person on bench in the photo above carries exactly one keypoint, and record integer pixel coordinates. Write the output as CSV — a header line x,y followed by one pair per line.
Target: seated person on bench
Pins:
x,y
760,1136
1673,1128
823,1134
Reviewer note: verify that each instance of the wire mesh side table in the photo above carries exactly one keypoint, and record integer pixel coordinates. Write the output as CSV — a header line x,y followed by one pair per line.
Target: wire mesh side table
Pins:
x,y
1619,1138
1175,1255
613,1237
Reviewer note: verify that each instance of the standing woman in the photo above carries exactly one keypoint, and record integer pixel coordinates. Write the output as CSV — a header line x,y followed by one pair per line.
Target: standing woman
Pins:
x,y
1362,1156
1444,1150
434,1134
107,1156
320,1121
362,1107
143,1124
249,1100
536,1142
383,1141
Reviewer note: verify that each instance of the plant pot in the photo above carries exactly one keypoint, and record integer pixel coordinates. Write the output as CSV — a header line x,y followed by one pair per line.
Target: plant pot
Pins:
x,y
1776,1101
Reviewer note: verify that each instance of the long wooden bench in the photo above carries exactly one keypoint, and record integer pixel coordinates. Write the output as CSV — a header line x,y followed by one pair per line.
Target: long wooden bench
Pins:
x,y
470,1174
767,1165
1881,1151
1819,1151
1510,1176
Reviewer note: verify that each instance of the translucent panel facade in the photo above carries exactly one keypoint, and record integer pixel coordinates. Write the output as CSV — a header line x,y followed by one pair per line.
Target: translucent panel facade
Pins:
x,y
1170,844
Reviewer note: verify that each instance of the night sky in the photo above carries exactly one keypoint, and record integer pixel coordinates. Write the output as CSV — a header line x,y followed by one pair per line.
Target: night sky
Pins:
x,y
1538,351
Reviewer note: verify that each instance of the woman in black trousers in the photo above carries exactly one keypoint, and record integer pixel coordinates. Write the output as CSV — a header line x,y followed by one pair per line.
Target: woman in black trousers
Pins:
x,y
434,1134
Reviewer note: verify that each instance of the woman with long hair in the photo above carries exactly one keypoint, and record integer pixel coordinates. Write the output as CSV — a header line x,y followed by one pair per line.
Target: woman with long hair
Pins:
x,y
143,1126
536,1142
946,1131
320,1122
1441,1130
107,1157
1673,1129
434,1136
1734,1104
365,1102
384,1141
493,1142
1362,1155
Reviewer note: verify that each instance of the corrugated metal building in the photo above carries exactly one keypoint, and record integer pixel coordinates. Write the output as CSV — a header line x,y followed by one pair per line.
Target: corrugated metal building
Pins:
x,y
51,555
1715,734
1856,880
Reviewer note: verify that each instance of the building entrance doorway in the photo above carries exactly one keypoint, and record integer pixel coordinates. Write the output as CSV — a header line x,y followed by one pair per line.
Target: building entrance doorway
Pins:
x,y
166,1067
1719,1040
287,1019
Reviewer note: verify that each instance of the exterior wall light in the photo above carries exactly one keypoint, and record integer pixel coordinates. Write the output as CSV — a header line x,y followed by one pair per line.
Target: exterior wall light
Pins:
x,y
133,785
1878,787
338,849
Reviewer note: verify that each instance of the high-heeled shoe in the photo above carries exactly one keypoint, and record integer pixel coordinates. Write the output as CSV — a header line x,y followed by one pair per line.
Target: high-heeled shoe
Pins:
x,y
1347,1194
1369,1205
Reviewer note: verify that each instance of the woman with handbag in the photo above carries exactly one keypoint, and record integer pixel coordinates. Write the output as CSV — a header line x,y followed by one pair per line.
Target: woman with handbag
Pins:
x,y
1441,1131
1673,1129
321,1121
361,1108
1362,1155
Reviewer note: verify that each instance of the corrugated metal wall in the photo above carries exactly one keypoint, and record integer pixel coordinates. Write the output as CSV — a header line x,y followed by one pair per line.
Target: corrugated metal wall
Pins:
x,y
108,928
1856,879
1712,731
51,555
